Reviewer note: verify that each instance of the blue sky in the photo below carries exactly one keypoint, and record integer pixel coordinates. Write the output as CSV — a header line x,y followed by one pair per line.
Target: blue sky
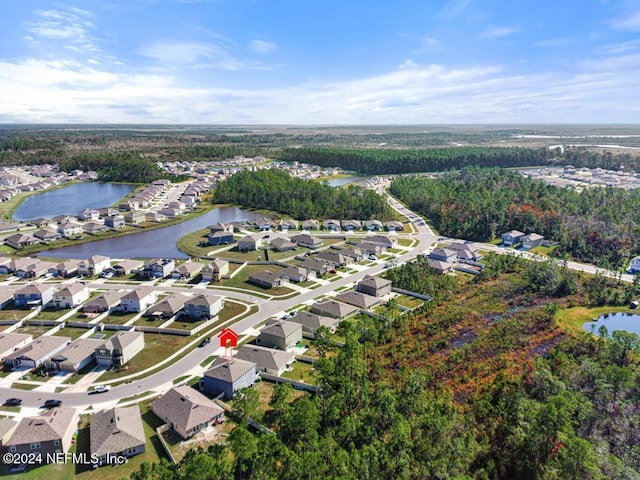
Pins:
x,y
320,62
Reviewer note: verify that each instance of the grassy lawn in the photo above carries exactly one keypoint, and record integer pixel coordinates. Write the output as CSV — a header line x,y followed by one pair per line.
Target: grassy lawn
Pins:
x,y
302,372
119,318
572,319
50,314
190,243
156,346
53,471
71,332
23,386
153,451
241,280
405,242
186,323
230,310
546,251
234,254
149,321
12,313
409,302
33,330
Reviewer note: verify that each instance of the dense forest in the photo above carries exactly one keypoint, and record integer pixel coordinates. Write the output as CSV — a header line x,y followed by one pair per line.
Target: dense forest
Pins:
x,y
598,225
302,199
385,161
485,385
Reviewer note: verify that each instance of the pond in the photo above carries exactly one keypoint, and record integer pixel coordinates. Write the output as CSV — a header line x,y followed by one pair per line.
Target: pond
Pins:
x,y
160,242
628,322
340,181
68,200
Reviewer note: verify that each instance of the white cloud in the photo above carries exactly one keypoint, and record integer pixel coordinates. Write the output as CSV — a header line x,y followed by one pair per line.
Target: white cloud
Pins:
x,y
71,25
261,46
180,53
629,22
497,32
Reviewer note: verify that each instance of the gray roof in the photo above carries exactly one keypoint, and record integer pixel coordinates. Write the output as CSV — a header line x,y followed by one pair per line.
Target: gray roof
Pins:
x,y
443,252
171,303
375,282
10,340
6,425
229,370
34,288
439,265
359,299
115,430
514,233
282,243
185,407
50,425
280,328
264,276
108,299
533,236
333,257
207,299
78,350
311,321
382,239
122,339
71,289
40,347
138,293
307,239
333,308
129,264
313,264
263,357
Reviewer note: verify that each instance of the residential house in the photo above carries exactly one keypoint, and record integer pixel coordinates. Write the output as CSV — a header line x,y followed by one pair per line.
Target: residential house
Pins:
x,y
296,274
283,245
511,238
355,254
88,214
333,258
138,300
331,308
37,352
126,267
351,225
47,235
6,296
20,240
384,240
311,322
220,238
266,279
70,296
170,212
370,248
135,218
35,270
7,427
310,225
119,349
375,286
439,265
443,255
204,305
288,224
635,265
114,221
43,222
104,303
265,224
187,270
274,362
373,225
186,411
217,269
46,434
75,356
94,227
116,432
227,376
158,268
154,217
10,342
94,265
305,240
129,205
358,299
394,226
70,229
531,240
107,212
331,224
465,252
68,268
168,306
62,219
221,227
280,334
248,243
315,265
33,295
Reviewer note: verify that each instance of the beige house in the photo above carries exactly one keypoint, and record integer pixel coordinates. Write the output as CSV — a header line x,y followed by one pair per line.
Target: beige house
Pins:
x,y
187,411
215,270
280,334
117,431
76,356
70,296
10,342
119,349
48,433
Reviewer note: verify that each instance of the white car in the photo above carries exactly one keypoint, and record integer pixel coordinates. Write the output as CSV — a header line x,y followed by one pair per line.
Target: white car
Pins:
x,y
101,388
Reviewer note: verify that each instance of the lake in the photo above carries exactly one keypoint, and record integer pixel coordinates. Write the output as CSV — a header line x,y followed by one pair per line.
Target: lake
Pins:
x,y
68,200
629,322
160,242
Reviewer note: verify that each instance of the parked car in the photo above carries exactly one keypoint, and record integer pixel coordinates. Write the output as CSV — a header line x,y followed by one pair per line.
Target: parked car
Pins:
x,y
13,402
52,403
205,341
101,388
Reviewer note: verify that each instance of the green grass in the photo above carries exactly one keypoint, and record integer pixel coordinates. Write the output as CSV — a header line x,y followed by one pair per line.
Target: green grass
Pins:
x,y
50,314
301,372
572,319
156,347
13,313
71,332
118,318
405,242
546,251
190,243
241,280
207,361
24,386
409,302
34,330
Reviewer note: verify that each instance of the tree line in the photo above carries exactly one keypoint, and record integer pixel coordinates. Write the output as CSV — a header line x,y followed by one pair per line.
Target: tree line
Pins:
x,y
277,190
599,225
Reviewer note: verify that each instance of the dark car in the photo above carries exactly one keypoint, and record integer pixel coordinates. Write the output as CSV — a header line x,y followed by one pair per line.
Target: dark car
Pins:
x,y
205,341
52,403
13,402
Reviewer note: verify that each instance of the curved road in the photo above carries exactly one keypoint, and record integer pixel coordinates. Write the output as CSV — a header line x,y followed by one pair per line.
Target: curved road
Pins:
x,y
268,309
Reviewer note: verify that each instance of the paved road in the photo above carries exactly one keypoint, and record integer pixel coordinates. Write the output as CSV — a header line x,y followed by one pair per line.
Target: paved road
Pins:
x,y
268,309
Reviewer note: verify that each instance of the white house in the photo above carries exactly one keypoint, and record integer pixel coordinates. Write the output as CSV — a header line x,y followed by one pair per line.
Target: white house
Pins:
x,y
71,296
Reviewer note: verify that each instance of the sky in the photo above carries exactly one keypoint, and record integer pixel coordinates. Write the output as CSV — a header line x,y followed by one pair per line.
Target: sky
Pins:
x,y
320,61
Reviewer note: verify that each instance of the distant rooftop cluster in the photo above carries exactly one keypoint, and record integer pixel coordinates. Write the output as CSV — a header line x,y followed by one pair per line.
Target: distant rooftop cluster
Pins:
x,y
580,178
